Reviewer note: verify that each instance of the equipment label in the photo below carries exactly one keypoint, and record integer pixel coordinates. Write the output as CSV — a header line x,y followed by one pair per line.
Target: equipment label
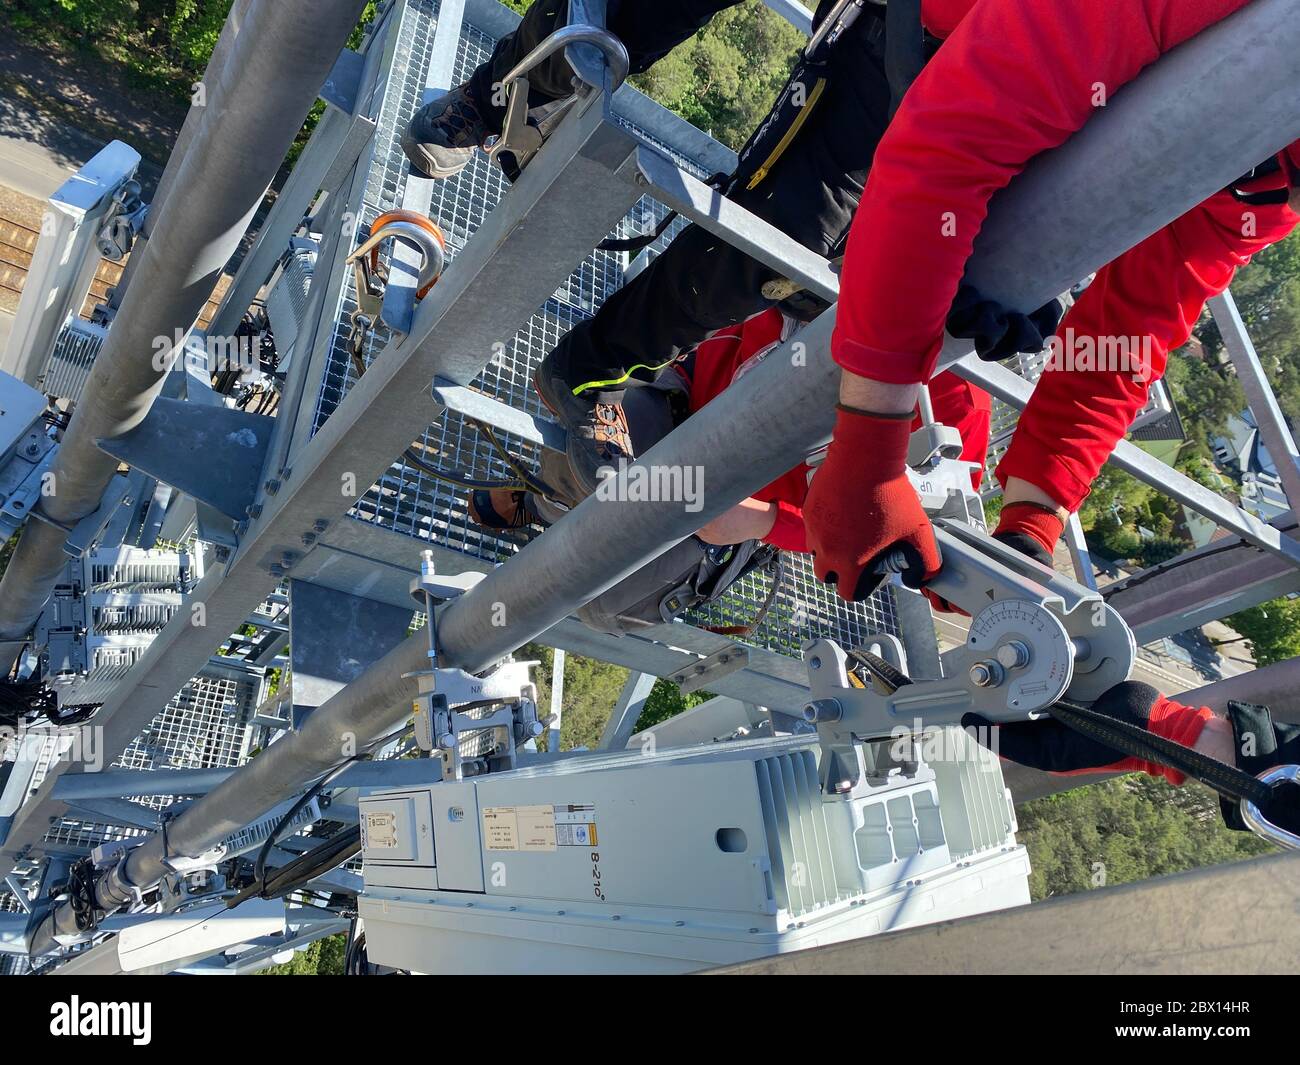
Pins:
x,y
379,831
575,825
539,828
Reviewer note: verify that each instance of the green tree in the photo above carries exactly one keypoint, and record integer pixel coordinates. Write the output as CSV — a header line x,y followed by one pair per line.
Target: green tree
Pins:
x,y
1272,630
324,957
591,689
726,77
1121,831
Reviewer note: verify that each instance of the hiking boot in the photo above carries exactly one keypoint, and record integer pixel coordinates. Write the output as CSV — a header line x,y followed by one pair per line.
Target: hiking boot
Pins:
x,y
595,422
444,134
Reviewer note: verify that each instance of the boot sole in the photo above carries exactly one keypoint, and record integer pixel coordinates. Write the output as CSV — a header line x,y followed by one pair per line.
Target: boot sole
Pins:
x,y
423,162
586,485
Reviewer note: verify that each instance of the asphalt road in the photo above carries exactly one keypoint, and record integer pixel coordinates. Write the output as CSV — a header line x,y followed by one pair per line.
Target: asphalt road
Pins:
x,y
32,169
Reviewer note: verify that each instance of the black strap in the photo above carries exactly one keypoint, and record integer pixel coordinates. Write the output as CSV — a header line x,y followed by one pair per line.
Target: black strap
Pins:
x,y
1227,780
904,48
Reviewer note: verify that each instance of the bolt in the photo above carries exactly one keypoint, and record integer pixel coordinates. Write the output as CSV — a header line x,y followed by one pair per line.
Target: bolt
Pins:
x,y
1013,654
277,570
308,539
223,553
320,525
254,511
823,710
287,559
272,486
987,674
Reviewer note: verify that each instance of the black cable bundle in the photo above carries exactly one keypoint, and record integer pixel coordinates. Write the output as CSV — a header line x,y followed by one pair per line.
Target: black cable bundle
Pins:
x,y
306,867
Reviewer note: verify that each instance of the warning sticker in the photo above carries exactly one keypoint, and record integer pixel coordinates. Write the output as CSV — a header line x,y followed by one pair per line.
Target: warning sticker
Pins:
x,y
575,825
538,828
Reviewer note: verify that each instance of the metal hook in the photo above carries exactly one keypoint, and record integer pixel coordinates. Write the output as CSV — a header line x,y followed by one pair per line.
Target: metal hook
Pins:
x,y
372,275
1258,823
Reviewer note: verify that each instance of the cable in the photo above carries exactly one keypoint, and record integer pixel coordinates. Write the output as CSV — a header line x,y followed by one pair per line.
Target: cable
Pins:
x,y
259,866
303,869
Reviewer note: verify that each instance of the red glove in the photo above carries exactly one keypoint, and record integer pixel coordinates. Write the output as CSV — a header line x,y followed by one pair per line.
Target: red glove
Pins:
x,y
861,504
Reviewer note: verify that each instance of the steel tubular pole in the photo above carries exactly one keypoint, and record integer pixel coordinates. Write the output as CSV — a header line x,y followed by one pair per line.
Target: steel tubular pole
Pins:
x,y
1184,107
221,51
264,90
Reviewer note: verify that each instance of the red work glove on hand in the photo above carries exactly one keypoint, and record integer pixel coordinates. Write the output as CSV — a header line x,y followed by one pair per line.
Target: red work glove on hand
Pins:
x,y
1056,748
861,504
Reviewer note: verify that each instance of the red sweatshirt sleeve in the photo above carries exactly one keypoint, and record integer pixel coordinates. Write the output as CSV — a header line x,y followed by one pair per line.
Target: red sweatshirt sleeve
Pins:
x,y
1148,299
788,533
1016,78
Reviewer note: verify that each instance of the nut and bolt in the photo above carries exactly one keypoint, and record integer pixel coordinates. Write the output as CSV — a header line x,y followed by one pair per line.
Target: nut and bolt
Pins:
x,y
1013,654
987,674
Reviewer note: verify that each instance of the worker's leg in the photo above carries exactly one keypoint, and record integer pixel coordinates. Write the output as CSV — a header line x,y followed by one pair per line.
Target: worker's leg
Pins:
x,y
443,135
701,283
649,31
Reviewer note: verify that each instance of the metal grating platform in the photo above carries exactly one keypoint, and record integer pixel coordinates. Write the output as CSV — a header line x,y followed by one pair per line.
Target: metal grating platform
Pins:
x,y
411,503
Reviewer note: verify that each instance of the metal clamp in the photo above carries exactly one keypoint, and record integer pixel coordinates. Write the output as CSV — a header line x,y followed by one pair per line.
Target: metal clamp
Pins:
x,y
472,723
124,219
372,275
1034,637
521,140
1261,825
615,54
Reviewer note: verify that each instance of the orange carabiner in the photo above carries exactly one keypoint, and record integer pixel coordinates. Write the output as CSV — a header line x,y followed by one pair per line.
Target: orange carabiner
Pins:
x,y
416,219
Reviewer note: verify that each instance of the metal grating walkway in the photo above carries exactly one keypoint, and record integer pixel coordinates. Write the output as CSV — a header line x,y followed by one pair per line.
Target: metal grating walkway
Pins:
x,y
409,502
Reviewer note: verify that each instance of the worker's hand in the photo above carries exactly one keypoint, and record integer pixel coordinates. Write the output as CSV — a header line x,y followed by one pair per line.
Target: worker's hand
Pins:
x,y
1030,527
750,519
861,506
1057,748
